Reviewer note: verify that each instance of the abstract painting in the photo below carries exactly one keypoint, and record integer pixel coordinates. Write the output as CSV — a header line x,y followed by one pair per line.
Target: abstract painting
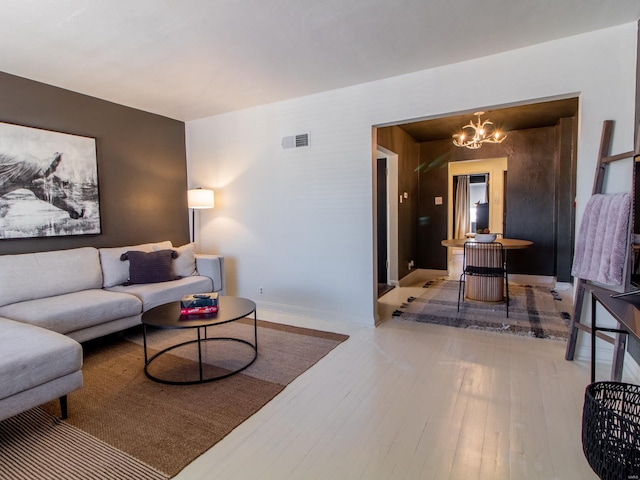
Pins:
x,y
48,183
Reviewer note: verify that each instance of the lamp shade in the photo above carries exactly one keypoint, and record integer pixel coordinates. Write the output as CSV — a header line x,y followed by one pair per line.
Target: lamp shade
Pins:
x,y
200,198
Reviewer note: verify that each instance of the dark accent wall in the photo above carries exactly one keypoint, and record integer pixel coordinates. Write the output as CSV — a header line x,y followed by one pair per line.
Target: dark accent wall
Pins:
x,y
141,164
434,177
408,150
539,197
566,169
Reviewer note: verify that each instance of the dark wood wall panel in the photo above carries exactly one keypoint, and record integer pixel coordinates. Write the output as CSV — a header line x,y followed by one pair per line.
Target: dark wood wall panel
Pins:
x,y
141,164
434,173
532,198
539,196
566,192
408,151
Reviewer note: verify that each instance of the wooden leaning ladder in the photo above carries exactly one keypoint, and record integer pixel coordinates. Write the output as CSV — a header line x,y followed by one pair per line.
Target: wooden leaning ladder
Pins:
x,y
604,159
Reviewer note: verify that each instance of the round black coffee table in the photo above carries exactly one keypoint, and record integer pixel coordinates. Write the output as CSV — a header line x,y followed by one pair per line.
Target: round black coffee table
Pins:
x,y
168,316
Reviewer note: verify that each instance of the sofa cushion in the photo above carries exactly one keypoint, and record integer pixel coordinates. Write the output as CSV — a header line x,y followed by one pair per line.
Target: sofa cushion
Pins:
x,y
154,294
31,356
74,311
185,264
116,272
150,267
35,275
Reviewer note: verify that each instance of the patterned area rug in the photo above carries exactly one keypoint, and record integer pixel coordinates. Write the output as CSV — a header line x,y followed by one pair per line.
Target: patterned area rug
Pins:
x,y
534,311
37,446
122,425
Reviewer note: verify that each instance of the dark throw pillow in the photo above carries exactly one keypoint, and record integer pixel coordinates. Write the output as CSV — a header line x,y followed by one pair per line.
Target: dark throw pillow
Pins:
x,y
149,267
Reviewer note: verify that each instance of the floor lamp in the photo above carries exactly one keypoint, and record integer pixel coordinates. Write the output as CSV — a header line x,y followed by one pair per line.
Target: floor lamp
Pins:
x,y
197,199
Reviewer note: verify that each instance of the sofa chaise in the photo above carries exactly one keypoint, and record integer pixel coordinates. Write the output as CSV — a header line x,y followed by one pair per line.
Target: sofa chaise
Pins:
x,y
50,301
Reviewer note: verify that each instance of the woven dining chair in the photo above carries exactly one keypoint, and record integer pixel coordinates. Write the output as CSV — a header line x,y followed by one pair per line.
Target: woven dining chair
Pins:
x,y
486,261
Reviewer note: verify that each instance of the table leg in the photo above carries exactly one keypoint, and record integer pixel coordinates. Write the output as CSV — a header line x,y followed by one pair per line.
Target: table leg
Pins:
x,y
255,329
619,347
144,341
593,339
200,351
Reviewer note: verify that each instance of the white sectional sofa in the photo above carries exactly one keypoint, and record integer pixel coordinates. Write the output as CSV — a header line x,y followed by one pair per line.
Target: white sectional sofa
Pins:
x,y
36,366
50,301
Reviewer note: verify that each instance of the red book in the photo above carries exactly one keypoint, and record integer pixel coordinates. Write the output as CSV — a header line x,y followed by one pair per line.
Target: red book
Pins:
x,y
198,310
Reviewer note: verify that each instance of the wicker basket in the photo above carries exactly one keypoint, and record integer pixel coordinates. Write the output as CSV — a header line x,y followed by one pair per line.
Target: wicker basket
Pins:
x,y
611,430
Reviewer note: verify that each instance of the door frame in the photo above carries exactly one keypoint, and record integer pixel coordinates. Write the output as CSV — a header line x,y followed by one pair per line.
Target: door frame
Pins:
x,y
392,214
496,168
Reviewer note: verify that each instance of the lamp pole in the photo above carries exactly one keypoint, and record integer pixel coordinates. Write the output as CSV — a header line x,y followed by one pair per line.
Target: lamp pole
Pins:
x,y
193,225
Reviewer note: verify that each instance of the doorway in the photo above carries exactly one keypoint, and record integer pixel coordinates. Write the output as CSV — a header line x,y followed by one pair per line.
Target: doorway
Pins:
x,y
470,204
387,220
383,231
484,202
551,124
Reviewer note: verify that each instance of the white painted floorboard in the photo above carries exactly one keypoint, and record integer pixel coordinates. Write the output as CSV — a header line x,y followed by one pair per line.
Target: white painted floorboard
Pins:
x,y
415,401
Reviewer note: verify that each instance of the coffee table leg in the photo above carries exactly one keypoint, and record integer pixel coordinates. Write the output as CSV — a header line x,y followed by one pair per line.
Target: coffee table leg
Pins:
x,y
144,341
200,352
255,329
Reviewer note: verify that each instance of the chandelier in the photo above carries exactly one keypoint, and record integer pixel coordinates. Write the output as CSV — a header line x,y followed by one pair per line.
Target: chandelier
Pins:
x,y
473,136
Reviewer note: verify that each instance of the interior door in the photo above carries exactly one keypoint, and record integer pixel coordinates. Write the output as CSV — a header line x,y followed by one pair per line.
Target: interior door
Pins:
x,y
381,196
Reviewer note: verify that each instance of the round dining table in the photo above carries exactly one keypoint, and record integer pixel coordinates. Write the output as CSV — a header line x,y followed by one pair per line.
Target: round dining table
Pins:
x,y
507,243
486,289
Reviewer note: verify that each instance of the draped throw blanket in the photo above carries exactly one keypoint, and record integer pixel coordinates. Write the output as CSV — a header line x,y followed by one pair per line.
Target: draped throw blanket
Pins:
x,y
603,239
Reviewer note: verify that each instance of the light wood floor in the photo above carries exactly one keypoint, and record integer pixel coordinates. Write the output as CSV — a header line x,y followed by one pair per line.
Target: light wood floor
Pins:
x,y
415,401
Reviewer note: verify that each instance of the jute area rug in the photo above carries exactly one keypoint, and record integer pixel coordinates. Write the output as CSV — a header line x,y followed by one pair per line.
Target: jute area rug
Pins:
x,y
534,311
122,425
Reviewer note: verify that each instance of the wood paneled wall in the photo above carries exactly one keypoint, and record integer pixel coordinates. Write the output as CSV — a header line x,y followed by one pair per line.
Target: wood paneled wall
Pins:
x,y
539,196
408,150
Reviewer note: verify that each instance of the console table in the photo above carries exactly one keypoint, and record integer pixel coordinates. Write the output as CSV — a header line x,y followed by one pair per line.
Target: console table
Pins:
x,y
626,311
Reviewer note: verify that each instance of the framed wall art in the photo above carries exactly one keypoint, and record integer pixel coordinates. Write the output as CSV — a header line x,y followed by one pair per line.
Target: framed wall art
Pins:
x,y
48,183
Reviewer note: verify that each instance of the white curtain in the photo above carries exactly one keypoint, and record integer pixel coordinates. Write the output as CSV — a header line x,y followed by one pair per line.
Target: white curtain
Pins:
x,y
461,208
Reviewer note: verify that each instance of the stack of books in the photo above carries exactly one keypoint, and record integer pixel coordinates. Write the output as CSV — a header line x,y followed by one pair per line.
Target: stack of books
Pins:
x,y
199,304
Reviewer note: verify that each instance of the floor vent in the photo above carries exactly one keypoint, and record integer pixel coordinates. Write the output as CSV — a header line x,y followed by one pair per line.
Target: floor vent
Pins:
x,y
296,141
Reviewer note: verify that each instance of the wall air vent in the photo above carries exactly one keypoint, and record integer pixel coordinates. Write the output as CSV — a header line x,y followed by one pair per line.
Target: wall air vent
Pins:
x,y
296,141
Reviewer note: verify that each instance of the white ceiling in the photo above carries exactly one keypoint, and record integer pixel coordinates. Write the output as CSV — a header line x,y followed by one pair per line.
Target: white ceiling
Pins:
x,y
190,59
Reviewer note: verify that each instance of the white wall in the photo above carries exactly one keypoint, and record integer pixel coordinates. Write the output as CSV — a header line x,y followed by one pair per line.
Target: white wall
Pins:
x,y
300,222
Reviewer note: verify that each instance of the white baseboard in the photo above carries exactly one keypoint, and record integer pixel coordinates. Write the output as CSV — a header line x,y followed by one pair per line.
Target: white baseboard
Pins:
x,y
564,286
269,311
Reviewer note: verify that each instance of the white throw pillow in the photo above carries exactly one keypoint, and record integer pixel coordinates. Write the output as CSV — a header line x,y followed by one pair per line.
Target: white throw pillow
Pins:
x,y
185,264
